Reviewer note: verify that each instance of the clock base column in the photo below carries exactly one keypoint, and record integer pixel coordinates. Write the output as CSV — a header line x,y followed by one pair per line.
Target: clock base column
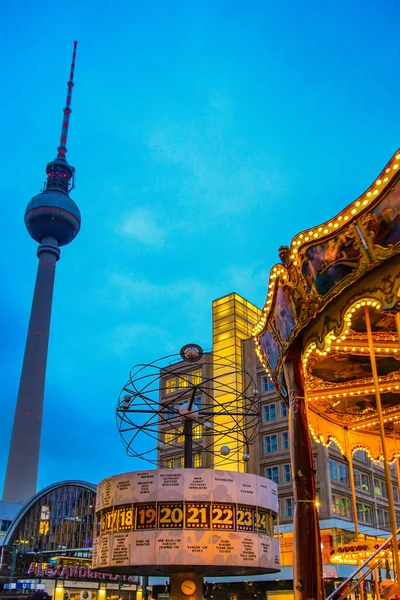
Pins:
x,y
186,586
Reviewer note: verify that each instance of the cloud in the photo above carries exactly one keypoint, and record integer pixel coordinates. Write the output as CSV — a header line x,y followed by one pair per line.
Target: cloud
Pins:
x,y
193,295
125,336
144,226
131,289
248,281
212,162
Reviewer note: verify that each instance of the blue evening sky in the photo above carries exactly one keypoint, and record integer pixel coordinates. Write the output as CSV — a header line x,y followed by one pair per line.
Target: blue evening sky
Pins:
x,y
205,133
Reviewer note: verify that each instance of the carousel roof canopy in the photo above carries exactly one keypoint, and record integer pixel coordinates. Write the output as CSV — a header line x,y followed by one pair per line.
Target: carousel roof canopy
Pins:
x,y
333,279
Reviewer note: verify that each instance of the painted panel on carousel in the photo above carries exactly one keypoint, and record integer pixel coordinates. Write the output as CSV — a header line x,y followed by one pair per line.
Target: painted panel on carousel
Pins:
x,y
383,222
284,314
328,263
270,348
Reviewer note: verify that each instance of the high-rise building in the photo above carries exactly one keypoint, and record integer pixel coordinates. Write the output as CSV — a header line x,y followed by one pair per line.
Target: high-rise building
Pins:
x,y
52,219
214,379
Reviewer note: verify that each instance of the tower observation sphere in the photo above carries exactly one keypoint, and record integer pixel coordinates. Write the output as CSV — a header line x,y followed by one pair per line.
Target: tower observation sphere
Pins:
x,y
52,213
52,219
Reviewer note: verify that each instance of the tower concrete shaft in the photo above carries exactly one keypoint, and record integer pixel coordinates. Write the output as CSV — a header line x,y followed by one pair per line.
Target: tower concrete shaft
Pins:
x,y
23,459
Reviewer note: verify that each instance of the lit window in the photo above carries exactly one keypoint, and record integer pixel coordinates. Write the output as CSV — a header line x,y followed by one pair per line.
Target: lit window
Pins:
x,y
364,512
287,473
270,412
197,459
335,504
168,463
169,437
170,385
341,506
183,381
289,507
345,506
197,377
266,384
284,410
285,440
380,488
361,480
272,473
181,437
181,462
270,443
197,432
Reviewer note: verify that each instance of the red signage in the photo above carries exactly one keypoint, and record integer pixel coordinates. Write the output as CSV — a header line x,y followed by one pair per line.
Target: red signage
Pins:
x,y
48,570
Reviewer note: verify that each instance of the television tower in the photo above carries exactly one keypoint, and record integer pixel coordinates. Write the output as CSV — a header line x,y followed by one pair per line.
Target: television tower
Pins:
x,y
53,219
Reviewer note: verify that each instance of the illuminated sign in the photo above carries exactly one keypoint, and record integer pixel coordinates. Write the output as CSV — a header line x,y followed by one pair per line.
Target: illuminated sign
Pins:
x,y
44,524
23,586
48,570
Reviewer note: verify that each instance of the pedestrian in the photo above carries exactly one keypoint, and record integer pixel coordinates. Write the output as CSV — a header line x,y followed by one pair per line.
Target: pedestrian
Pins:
x,y
389,589
342,592
41,595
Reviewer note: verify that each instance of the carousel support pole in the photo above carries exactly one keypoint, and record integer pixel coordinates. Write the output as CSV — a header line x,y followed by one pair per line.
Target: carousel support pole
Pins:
x,y
307,582
397,317
392,513
376,579
353,502
352,487
397,461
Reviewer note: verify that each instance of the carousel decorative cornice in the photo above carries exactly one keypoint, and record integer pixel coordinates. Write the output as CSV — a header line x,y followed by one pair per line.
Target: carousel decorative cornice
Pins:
x,y
350,213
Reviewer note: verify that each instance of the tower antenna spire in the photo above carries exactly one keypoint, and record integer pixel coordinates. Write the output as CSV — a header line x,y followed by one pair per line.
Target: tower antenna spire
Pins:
x,y
62,148
52,219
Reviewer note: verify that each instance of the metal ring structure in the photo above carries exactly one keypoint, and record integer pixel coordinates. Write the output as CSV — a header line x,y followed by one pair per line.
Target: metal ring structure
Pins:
x,y
228,414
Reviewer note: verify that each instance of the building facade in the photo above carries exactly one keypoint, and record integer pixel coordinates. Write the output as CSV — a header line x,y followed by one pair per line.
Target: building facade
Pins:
x,y
49,546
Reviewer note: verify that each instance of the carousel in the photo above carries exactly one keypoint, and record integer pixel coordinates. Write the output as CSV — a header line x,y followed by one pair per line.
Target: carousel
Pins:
x,y
329,337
